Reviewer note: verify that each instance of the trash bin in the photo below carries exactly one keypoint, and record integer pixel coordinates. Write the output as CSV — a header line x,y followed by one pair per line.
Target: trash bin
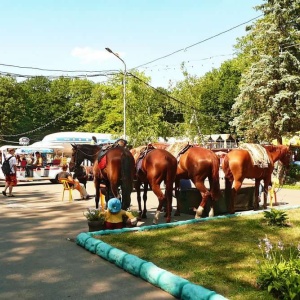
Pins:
x,y
191,198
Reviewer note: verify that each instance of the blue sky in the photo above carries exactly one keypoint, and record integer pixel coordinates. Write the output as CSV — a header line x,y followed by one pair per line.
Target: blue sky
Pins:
x,y
73,35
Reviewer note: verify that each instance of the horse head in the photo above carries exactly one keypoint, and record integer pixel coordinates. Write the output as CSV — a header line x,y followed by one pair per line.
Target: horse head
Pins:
x,y
72,162
285,156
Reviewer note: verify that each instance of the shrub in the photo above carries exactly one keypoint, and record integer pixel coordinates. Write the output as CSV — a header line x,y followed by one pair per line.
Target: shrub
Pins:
x,y
294,172
279,271
94,214
276,217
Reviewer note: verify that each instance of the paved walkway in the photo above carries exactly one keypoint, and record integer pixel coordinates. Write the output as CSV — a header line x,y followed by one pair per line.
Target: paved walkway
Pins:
x,y
39,258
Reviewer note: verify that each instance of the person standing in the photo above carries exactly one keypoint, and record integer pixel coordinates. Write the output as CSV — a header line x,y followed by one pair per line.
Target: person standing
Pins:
x,y
11,179
38,163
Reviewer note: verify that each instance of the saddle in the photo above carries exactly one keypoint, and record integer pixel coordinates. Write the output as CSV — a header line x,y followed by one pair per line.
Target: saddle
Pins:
x,y
104,149
187,147
177,149
142,155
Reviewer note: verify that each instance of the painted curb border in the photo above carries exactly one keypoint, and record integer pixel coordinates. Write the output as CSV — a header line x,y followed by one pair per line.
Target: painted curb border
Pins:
x,y
172,284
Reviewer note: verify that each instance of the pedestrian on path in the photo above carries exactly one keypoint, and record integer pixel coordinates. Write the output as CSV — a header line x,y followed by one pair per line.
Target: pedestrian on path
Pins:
x,y
11,179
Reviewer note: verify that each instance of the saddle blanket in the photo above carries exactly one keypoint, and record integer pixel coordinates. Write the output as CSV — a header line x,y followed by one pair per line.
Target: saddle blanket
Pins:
x,y
102,163
258,154
136,152
178,148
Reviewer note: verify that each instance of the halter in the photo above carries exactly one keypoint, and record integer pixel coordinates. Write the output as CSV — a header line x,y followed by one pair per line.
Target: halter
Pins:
x,y
76,163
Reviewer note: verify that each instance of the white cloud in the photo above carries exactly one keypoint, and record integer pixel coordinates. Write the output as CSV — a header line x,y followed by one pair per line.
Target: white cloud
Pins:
x,y
88,54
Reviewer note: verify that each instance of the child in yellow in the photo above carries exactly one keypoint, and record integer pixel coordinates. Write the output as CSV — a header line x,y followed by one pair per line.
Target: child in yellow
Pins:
x,y
114,215
272,194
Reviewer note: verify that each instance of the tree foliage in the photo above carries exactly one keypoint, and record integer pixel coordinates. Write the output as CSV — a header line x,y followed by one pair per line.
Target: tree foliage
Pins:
x,y
12,106
268,105
255,94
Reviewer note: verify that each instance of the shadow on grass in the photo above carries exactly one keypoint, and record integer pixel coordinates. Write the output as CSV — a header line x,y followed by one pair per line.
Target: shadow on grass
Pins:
x,y
219,254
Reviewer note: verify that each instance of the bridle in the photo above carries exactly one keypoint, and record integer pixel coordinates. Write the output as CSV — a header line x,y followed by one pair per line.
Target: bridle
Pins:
x,y
75,156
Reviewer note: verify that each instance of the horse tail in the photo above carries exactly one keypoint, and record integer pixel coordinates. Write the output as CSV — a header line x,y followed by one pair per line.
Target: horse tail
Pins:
x,y
127,174
171,174
215,188
226,169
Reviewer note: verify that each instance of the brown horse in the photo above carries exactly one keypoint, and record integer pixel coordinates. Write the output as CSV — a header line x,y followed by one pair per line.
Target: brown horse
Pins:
x,y
153,166
238,165
117,172
198,164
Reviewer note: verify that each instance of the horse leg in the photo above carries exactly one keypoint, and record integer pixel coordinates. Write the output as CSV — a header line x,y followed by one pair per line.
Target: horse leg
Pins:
x,y
266,188
256,193
169,197
236,187
200,209
161,198
212,202
138,196
144,214
205,194
97,188
228,193
177,192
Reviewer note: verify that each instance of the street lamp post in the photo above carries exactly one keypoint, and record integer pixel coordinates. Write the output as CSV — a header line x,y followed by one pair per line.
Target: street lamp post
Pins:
x,y
124,90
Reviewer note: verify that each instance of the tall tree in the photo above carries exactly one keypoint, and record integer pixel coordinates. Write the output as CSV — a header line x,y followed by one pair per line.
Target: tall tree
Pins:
x,y
143,111
103,111
80,94
62,109
13,118
219,88
36,92
188,94
268,105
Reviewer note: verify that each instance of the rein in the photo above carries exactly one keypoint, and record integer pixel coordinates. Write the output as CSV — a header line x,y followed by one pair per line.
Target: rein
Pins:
x,y
75,155
87,154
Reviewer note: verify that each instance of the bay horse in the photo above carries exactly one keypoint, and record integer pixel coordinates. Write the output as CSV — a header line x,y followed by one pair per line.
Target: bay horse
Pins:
x,y
117,172
197,164
153,166
238,165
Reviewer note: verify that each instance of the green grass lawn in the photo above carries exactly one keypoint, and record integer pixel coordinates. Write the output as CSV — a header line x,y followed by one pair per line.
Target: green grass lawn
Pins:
x,y
220,254
291,186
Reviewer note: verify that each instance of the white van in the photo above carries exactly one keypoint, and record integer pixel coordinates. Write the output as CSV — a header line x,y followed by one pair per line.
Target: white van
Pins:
x,y
48,171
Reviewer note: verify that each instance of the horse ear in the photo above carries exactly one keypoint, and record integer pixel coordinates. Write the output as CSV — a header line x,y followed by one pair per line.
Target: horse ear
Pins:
x,y
73,146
